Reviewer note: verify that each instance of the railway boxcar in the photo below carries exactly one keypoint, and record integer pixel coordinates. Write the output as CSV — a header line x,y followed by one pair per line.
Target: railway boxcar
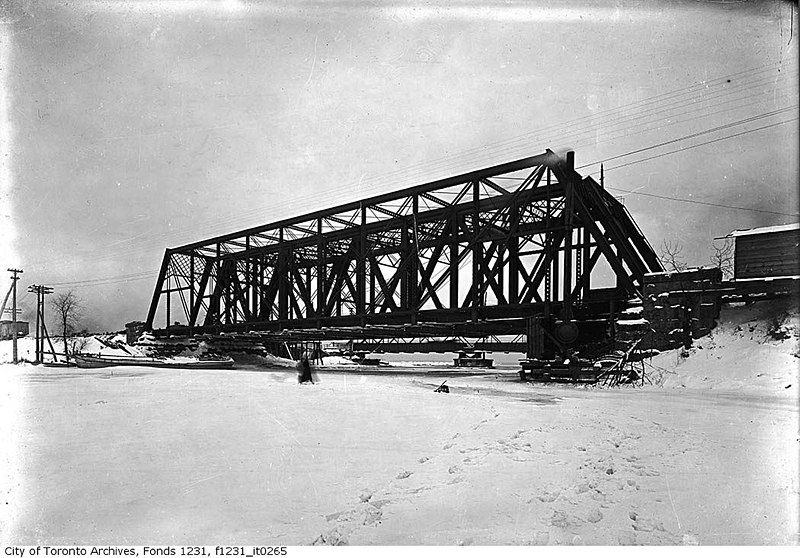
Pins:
x,y
767,252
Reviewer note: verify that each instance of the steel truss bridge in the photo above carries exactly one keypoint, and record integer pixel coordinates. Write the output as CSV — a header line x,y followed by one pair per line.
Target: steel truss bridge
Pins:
x,y
478,255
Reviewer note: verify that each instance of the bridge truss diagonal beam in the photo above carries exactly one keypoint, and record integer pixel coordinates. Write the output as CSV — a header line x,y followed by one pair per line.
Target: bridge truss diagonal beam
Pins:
x,y
488,247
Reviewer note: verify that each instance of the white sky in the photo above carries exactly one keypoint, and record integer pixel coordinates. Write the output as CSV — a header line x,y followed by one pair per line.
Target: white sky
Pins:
x,y
129,127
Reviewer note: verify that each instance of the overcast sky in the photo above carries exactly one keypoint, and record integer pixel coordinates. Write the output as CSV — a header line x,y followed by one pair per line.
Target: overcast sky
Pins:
x,y
129,127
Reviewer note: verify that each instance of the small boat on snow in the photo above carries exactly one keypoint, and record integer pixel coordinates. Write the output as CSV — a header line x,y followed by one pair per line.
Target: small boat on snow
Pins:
x,y
59,364
99,361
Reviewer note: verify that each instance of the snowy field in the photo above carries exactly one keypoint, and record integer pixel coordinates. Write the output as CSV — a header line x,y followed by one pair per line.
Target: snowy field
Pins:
x,y
151,456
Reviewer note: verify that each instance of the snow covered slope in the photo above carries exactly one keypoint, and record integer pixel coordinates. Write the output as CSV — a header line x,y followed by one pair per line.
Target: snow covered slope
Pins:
x,y
754,348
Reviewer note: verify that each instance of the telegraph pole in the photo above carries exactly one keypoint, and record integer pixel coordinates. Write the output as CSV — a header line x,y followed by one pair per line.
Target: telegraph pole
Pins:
x,y
35,289
40,291
14,278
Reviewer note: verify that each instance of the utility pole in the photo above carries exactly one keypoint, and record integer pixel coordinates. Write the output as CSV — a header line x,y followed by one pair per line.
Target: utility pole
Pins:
x,y
41,330
35,289
14,278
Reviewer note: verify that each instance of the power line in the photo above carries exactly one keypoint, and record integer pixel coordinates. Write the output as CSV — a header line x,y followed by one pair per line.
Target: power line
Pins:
x,y
685,200
130,276
602,114
382,179
106,281
146,275
595,119
114,280
689,136
703,143
146,246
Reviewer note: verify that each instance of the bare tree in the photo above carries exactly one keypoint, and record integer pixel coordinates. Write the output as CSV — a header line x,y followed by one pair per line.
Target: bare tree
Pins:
x,y
723,256
67,307
670,255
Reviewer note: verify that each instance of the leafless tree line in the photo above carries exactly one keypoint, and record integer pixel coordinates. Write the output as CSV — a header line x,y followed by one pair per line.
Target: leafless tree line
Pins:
x,y
721,257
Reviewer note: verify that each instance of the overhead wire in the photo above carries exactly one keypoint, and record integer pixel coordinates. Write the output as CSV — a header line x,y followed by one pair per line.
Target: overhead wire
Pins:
x,y
376,180
698,202
138,277
703,143
690,136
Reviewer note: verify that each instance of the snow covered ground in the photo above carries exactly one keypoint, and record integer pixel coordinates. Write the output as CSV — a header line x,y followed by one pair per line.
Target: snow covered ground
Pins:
x,y
754,348
157,456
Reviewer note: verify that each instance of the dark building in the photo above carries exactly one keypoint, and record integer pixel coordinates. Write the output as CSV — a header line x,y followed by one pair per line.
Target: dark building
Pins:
x,y
7,329
767,252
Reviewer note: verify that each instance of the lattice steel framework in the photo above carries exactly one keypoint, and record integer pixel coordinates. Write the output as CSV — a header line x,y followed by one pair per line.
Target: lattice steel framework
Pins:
x,y
482,251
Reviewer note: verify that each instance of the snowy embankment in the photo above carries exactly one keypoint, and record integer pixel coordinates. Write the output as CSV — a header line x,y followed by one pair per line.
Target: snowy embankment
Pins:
x,y
155,456
754,348
107,344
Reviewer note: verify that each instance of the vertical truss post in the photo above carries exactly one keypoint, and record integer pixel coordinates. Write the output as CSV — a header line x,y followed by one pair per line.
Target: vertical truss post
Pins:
x,y
256,282
548,239
248,269
556,266
372,285
282,272
228,271
405,253
307,303
587,240
361,266
477,251
414,268
513,256
191,293
569,196
578,260
320,270
217,302
453,275
501,264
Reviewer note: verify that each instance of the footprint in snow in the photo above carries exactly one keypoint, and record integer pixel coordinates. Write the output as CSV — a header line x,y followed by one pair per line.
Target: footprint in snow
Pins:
x,y
626,538
550,496
372,515
365,495
540,538
647,525
334,537
562,520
